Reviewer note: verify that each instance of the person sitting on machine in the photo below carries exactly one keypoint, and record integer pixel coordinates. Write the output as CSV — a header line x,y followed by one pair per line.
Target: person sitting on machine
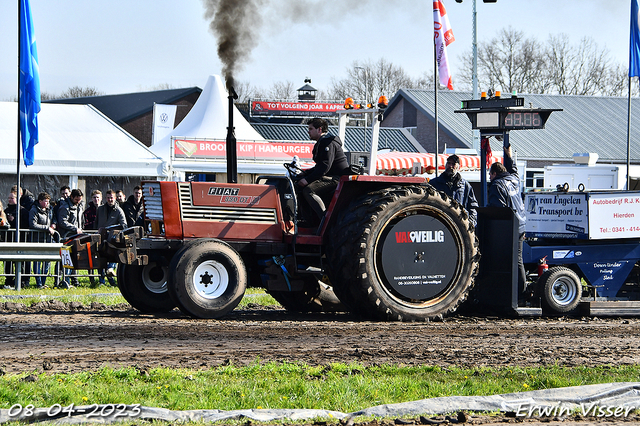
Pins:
x,y
331,163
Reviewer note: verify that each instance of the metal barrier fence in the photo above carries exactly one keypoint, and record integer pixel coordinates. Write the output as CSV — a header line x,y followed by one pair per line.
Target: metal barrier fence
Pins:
x,y
31,256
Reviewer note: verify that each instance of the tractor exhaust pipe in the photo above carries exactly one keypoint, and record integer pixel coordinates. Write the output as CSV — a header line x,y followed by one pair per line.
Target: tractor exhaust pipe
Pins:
x,y
232,152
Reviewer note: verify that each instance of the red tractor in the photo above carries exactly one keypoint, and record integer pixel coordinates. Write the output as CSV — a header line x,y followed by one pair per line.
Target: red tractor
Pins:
x,y
390,248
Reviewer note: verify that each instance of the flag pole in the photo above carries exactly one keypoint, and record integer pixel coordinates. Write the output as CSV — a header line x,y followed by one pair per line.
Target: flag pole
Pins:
x,y
435,96
629,136
18,265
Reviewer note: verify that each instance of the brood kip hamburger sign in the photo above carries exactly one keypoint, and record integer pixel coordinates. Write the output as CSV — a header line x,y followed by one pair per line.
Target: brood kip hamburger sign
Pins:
x,y
217,149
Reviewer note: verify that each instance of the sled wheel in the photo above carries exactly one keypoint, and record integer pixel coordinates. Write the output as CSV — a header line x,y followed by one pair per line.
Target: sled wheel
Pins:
x,y
207,279
561,290
403,253
317,297
145,287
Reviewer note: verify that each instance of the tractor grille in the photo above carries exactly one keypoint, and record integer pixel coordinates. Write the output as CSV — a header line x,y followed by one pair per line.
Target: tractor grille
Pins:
x,y
152,200
221,214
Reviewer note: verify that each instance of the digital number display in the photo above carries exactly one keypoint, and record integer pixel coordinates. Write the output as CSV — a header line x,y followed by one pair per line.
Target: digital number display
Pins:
x,y
519,120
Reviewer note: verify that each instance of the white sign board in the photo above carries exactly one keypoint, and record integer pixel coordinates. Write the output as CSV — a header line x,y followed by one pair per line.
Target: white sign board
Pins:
x,y
614,215
556,215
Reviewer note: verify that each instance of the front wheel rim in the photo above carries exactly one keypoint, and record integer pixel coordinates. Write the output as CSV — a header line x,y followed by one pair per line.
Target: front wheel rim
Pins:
x,y
211,279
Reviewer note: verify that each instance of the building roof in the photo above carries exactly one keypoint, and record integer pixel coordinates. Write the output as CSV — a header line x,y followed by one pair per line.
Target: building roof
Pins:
x,y
125,107
586,124
77,140
390,138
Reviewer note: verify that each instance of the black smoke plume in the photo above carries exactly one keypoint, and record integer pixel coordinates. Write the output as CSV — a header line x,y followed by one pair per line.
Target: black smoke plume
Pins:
x,y
234,23
237,23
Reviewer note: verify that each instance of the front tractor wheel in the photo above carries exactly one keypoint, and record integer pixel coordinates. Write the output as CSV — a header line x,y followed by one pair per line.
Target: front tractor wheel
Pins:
x,y
145,287
404,254
208,279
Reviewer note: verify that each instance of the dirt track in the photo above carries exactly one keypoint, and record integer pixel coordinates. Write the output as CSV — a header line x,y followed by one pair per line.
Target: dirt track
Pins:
x,y
62,340
69,338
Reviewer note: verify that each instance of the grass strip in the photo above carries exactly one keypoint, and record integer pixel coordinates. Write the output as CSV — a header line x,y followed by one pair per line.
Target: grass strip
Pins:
x,y
108,295
340,387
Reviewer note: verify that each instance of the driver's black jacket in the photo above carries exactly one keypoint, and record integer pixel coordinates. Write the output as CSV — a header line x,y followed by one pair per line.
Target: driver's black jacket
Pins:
x,y
329,158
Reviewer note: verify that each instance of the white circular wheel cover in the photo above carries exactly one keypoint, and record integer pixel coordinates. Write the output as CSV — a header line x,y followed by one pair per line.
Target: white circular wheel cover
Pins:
x,y
210,279
563,291
154,278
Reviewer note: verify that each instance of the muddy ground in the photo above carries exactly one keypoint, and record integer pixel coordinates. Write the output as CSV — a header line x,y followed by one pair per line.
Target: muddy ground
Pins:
x,y
70,338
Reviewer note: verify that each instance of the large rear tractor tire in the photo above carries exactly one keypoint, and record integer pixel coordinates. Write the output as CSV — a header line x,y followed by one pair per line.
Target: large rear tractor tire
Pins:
x,y
404,254
561,290
145,287
207,279
317,297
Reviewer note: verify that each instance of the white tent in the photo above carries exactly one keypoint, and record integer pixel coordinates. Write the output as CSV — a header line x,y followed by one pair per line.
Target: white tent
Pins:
x,y
76,140
208,120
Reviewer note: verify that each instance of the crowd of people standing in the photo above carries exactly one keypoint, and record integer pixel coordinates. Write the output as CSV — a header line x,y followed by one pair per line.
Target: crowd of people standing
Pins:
x,y
64,218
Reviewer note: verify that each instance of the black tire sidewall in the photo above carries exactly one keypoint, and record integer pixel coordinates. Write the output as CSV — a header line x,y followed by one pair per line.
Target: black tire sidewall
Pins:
x,y
135,292
368,294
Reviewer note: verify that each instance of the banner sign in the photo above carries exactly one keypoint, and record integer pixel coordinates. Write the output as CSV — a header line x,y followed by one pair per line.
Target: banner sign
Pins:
x,y
554,215
614,215
315,109
217,149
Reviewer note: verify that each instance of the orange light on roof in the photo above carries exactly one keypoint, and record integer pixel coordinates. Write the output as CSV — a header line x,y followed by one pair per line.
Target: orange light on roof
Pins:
x,y
369,106
483,95
498,93
383,102
359,106
348,103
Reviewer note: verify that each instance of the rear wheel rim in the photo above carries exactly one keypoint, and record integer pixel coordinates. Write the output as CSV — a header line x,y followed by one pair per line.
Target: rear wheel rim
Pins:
x,y
563,291
210,279
154,278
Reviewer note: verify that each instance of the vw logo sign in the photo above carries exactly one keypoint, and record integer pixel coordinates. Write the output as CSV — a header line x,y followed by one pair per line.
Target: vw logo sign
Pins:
x,y
164,117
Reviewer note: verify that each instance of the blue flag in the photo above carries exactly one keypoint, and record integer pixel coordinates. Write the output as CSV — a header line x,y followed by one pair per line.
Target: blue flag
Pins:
x,y
29,90
634,42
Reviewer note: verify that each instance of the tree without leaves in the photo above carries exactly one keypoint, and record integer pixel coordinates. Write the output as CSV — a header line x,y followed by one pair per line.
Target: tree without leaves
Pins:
x,y
367,81
80,92
511,62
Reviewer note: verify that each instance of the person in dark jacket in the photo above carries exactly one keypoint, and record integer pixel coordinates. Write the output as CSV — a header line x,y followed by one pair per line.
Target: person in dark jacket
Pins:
x,y
12,211
504,191
133,206
92,210
110,214
451,183
331,163
41,218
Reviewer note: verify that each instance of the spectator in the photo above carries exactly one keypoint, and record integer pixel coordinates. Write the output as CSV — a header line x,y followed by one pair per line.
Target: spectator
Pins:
x,y
12,211
120,197
41,218
110,214
65,192
4,222
27,199
92,210
133,206
70,223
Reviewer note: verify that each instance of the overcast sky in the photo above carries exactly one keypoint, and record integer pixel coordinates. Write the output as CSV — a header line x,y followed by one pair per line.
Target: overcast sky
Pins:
x,y
122,46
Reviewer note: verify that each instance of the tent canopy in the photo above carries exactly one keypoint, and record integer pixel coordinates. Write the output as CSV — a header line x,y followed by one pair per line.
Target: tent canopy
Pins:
x,y
208,120
76,140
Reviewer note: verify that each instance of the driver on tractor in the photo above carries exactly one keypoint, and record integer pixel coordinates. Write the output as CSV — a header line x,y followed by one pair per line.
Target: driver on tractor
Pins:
x,y
331,163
